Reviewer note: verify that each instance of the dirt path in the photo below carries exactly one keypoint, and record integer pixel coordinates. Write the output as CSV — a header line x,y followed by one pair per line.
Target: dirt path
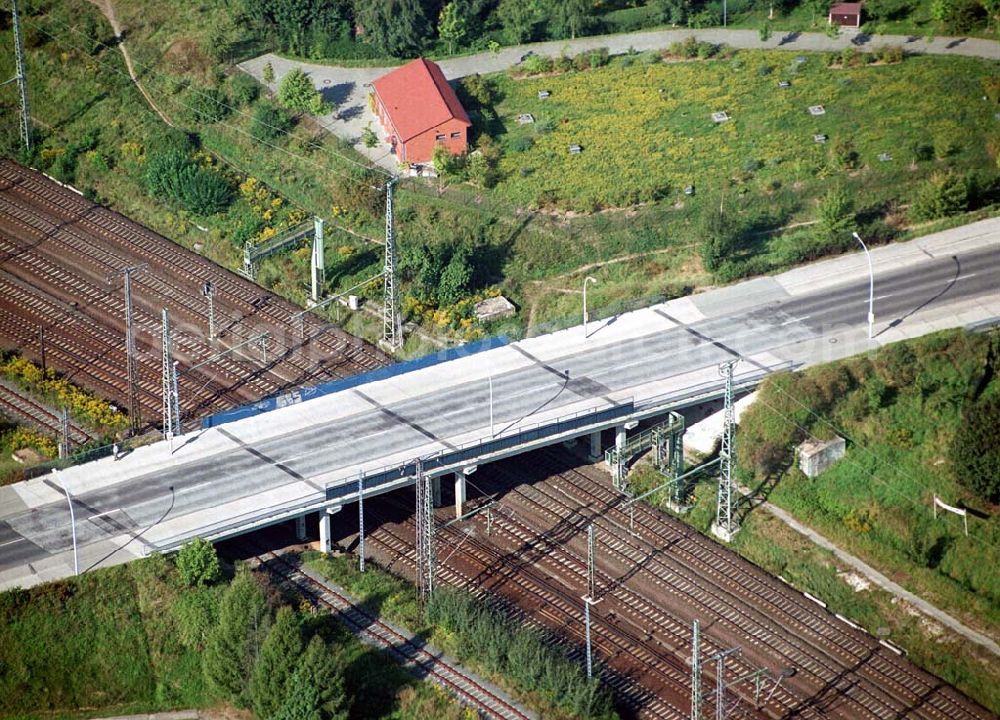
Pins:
x,y
108,9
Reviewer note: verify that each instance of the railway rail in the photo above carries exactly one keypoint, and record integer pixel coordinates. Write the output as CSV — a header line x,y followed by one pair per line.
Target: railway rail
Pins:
x,y
467,689
58,252
25,410
653,583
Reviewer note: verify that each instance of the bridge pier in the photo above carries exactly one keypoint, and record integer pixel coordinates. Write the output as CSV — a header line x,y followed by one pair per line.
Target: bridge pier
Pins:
x,y
436,491
595,445
300,528
324,528
459,493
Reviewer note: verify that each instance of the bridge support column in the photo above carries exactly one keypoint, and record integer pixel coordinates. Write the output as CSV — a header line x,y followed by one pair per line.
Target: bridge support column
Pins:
x,y
595,445
325,544
620,438
459,493
436,491
300,528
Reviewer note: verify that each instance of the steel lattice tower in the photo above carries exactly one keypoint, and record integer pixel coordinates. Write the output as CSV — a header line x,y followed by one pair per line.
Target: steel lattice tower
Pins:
x,y
725,525
425,534
22,80
392,328
171,406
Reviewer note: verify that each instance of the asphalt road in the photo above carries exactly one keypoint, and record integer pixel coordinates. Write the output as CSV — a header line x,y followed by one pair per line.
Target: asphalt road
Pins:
x,y
793,327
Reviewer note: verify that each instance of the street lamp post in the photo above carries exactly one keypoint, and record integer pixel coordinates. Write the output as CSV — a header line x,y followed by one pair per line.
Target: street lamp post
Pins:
x,y
871,286
72,520
586,280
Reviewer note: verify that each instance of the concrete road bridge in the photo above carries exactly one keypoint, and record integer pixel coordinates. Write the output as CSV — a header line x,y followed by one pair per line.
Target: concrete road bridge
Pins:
x,y
477,408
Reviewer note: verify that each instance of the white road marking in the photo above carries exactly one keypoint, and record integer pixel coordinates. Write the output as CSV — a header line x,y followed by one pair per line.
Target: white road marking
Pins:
x,y
106,512
11,542
789,322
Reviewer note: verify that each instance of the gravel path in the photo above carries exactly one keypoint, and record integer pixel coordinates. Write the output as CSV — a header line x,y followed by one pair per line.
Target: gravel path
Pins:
x,y
347,86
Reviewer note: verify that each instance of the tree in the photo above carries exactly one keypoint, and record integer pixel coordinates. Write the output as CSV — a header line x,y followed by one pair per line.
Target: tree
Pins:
x,y
836,213
297,92
445,163
232,647
764,31
674,12
398,28
940,196
208,105
455,277
518,18
198,563
320,668
975,450
275,664
268,73
569,17
451,25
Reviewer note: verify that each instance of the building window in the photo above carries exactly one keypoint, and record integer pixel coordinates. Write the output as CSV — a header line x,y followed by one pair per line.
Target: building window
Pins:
x,y
456,135
439,137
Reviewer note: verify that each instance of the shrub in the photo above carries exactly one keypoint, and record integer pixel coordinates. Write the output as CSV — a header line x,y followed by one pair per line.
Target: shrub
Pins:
x,y
975,450
836,214
176,177
849,56
275,664
536,64
268,122
208,105
890,54
369,137
921,150
942,195
198,563
718,237
504,647
991,87
598,58
268,73
243,89
196,613
764,32
521,144
844,155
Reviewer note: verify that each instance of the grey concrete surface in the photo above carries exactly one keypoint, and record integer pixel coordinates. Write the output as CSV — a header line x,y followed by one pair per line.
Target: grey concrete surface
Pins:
x,y
347,86
287,457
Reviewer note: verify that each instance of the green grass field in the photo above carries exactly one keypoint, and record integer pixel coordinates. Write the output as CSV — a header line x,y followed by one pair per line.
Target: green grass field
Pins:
x,y
647,132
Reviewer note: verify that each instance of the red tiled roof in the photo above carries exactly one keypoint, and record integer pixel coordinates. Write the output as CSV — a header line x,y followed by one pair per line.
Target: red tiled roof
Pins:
x,y
847,8
418,98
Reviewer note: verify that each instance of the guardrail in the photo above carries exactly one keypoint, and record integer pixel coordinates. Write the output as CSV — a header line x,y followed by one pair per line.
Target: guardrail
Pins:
x,y
308,393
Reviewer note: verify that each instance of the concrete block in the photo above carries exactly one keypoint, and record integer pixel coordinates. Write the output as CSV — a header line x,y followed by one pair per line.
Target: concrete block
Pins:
x,y
815,457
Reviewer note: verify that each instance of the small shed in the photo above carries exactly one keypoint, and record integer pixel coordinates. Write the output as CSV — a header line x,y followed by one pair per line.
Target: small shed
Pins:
x,y
846,14
816,456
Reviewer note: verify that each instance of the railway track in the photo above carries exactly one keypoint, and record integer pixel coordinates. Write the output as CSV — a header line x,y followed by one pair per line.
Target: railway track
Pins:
x,y
24,410
882,684
467,689
533,597
653,585
58,251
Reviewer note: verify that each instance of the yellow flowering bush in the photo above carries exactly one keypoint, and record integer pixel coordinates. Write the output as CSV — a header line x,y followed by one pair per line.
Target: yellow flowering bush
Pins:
x,y
21,438
82,405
